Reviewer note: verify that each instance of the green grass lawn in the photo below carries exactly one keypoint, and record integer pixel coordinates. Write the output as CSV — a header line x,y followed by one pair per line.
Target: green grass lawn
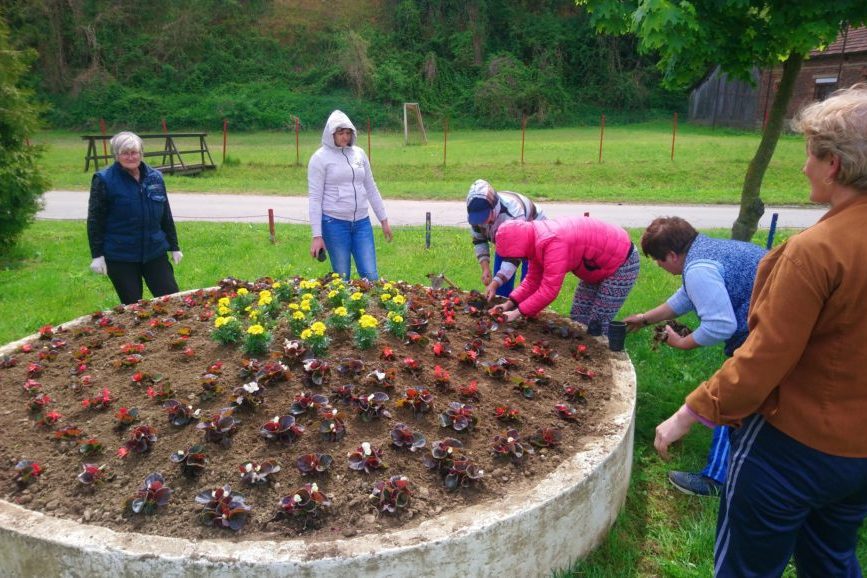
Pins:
x,y
559,164
660,532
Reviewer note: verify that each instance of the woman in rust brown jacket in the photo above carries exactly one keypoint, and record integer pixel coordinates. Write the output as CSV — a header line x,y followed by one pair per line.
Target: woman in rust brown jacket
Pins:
x,y
797,388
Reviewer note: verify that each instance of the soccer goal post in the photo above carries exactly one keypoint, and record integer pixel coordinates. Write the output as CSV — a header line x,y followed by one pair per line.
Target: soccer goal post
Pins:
x,y
413,125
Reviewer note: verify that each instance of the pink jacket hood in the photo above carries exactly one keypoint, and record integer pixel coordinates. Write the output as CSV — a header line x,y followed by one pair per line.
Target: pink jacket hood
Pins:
x,y
589,248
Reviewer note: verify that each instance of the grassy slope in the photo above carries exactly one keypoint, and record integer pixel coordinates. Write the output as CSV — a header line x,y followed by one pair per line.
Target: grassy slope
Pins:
x,y
660,532
560,164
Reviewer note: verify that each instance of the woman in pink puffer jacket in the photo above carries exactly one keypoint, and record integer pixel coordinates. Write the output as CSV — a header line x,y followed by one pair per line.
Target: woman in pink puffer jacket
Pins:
x,y
598,253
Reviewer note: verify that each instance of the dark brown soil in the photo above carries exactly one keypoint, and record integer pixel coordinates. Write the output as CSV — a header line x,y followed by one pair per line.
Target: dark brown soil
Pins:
x,y
58,492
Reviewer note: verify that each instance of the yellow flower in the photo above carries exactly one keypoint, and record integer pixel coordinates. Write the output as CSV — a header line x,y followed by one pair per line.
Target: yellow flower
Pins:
x,y
248,308
385,297
387,287
256,329
318,328
276,285
356,296
397,319
298,315
293,306
254,313
341,311
307,297
305,335
220,321
399,300
265,297
242,291
335,275
332,294
368,321
305,306
223,310
223,301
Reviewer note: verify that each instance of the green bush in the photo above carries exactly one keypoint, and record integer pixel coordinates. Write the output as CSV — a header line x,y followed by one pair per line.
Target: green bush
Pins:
x,y
21,183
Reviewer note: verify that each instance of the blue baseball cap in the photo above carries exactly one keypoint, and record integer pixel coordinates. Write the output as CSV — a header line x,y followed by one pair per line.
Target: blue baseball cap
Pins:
x,y
478,211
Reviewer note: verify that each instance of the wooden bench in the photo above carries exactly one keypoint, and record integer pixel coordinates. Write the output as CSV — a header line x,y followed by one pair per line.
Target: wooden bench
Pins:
x,y
176,163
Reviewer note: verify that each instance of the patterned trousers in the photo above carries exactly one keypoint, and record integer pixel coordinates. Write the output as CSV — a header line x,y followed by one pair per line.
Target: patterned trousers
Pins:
x,y
600,302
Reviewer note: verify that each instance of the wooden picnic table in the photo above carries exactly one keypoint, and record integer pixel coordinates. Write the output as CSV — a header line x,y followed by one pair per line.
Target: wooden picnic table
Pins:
x,y
176,163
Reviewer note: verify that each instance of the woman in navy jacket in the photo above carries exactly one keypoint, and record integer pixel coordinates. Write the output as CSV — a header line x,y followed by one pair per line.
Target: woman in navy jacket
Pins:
x,y
130,226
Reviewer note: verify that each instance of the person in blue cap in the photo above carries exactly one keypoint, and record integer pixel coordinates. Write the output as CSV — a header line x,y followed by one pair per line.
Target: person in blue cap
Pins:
x,y
487,209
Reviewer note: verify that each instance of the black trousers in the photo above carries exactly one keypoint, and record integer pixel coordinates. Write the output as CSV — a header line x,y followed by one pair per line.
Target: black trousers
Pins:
x,y
127,278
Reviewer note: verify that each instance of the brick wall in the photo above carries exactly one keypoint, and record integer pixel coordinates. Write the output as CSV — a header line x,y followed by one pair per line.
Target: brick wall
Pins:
x,y
854,70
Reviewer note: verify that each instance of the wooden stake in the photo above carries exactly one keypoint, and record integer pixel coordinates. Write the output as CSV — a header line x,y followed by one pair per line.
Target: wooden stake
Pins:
x,y
427,230
102,130
601,136
297,145
445,140
271,226
225,138
673,135
165,127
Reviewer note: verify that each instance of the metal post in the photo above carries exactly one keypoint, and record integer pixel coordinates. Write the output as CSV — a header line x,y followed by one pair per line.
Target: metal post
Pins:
x,y
271,226
772,231
427,230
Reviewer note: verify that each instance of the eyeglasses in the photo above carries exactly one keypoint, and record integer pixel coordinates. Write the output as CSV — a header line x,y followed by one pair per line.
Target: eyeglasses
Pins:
x,y
129,154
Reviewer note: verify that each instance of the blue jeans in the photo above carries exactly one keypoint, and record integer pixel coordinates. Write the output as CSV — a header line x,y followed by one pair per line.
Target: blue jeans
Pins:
x,y
506,288
350,238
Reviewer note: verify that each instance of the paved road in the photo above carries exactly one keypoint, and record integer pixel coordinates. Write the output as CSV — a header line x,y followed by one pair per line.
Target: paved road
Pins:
x,y
254,208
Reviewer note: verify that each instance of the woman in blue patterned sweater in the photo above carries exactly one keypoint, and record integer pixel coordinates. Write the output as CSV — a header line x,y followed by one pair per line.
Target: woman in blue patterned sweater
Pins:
x,y
718,276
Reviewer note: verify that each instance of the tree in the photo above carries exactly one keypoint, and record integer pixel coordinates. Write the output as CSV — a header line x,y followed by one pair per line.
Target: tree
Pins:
x,y
692,36
21,183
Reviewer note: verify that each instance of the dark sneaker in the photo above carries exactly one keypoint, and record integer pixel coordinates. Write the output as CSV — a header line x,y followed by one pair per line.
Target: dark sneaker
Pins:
x,y
695,484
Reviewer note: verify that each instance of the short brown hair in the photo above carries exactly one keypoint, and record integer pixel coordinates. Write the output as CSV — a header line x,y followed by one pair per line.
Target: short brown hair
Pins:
x,y
666,234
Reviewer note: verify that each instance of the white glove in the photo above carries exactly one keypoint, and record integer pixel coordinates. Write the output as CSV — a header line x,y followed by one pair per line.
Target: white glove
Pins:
x,y
177,256
98,266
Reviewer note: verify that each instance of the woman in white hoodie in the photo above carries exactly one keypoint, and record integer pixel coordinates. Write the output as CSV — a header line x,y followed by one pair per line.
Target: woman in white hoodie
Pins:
x,y
340,188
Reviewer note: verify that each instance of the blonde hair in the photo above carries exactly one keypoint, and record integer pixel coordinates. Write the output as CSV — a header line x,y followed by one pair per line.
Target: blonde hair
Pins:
x,y
838,126
125,141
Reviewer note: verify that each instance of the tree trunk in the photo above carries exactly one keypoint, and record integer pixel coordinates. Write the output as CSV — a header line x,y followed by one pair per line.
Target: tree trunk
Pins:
x,y
752,207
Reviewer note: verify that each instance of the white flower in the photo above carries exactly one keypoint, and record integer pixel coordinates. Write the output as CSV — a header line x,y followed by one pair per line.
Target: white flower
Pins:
x,y
365,446
251,387
314,487
296,498
248,467
370,398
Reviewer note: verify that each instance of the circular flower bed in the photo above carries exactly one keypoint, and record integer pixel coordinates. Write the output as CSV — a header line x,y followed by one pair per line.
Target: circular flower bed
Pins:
x,y
305,407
